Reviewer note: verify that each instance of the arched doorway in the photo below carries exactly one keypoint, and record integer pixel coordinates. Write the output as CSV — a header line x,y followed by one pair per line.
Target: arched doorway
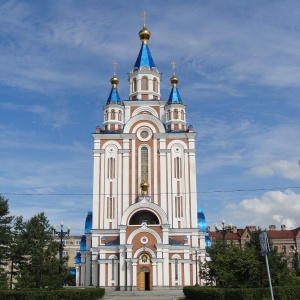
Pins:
x,y
144,278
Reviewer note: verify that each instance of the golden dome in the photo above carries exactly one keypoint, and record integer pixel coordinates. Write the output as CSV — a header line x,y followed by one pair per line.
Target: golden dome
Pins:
x,y
174,80
114,81
144,34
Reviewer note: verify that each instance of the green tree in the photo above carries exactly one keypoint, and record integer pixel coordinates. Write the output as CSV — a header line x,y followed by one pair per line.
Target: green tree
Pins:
x,y
229,265
278,264
5,240
39,264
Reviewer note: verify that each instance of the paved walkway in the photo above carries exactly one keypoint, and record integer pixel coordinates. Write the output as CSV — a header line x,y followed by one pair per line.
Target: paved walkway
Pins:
x,y
145,295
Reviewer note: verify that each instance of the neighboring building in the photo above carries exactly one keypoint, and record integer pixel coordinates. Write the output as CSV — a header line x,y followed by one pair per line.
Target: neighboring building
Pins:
x,y
145,230
71,246
286,241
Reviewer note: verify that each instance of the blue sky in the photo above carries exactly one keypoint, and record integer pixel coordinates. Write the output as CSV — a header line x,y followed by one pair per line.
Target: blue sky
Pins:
x,y
238,63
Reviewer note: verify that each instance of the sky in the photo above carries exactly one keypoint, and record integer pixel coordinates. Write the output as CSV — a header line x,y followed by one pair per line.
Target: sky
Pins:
x,y
238,64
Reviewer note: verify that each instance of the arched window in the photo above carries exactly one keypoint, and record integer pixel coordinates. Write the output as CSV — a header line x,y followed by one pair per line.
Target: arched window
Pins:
x,y
134,85
155,85
175,113
144,216
182,115
283,249
168,115
144,83
113,114
120,115
106,115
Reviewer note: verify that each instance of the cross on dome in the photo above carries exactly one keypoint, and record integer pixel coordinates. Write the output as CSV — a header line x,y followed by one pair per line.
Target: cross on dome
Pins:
x,y
115,67
173,63
144,14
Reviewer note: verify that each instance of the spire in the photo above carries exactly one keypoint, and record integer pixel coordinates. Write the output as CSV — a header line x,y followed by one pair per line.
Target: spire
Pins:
x,y
114,94
174,95
144,58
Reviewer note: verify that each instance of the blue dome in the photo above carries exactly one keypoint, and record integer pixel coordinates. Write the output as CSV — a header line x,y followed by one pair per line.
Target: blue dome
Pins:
x,y
88,222
83,243
144,58
174,96
201,220
78,257
114,96
207,240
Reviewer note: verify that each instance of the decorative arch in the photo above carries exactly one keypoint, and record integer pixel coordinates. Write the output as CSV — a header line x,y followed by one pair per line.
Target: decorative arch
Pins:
x,y
147,118
149,110
144,249
144,229
144,204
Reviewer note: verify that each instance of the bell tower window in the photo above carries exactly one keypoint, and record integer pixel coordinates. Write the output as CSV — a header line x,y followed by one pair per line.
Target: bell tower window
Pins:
x,y
155,85
134,85
144,83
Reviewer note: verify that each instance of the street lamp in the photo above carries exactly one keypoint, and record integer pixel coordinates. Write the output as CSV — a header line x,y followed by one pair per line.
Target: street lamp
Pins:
x,y
224,228
61,234
196,255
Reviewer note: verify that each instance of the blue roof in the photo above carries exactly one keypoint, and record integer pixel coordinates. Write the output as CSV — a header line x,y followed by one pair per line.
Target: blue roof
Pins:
x,y
78,258
144,58
174,96
113,96
88,222
207,240
83,243
201,220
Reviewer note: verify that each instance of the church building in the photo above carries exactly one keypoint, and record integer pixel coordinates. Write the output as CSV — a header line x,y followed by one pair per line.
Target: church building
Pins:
x,y
144,232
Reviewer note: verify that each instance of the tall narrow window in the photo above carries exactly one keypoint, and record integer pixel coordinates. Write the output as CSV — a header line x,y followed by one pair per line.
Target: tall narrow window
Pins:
x,y
175,113
155,85
113,269
111,168
177,167
182,115
134,85
144,164
144,83
178,206
120,115
113,114
106,115
110,208
176,268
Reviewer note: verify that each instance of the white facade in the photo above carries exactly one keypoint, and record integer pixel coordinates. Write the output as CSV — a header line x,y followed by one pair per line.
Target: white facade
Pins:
x,y
145,229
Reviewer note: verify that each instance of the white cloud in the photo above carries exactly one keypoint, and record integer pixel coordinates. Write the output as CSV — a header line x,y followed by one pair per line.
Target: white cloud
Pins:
x,y
282,168
274,207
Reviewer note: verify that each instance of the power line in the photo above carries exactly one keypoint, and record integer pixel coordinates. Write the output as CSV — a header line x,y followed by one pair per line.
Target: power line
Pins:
x,y
201,192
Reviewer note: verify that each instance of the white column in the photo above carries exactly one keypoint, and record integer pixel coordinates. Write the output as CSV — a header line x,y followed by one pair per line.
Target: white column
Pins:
x,y
134,273
166,265
102,275
154,272
129,274
122,253
77,275
163,175
186,267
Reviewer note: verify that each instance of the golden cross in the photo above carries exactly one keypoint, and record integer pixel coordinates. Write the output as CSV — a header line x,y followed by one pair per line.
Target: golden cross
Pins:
x,y
144,14
173,63
115,66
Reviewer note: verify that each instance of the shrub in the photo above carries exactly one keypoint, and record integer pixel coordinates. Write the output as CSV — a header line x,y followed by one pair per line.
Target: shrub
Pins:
x,y
62,294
